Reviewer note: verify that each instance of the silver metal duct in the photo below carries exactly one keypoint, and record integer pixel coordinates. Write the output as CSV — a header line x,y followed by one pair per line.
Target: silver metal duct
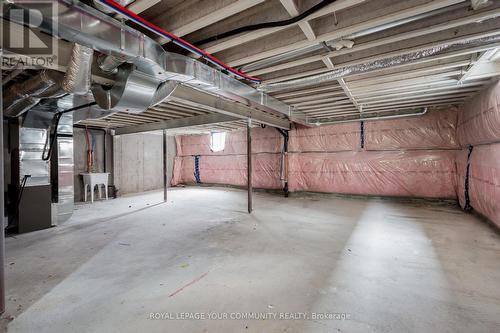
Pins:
x,y
31,145
163,92
395,116
65,169
377,64
79,23
134,91
108,63
22,96
331,43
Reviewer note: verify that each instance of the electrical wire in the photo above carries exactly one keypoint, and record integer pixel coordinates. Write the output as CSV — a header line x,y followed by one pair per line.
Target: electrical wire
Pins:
x,y
176,40
264,25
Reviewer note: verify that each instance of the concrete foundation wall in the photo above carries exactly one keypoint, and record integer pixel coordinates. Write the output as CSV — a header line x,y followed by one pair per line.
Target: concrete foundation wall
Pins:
x,y
138,162
134,161
100,162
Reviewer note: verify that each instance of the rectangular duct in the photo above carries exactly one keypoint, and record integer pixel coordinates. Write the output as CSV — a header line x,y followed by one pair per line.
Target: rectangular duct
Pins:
x,y
31,144
64,201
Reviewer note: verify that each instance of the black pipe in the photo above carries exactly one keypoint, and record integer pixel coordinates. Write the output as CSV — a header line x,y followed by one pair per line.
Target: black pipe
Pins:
x,y
286,136
55,120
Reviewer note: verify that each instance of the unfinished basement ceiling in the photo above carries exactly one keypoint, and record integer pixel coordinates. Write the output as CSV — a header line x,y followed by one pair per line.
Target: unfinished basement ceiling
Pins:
x,y
422,53
349,59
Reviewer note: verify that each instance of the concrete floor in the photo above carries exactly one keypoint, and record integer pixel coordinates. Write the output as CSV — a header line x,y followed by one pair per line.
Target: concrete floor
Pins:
x,y
387,266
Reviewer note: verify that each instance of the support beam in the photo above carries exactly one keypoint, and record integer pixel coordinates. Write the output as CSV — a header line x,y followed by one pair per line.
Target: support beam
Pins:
x,y
291,8
138,6
328,62
165,165
205,119
195,98
349,94
482,67
249,164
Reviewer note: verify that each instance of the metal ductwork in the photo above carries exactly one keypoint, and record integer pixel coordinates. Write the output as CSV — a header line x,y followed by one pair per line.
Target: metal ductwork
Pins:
x,y
364,67
362,117
23,96
277,59
79,23
164,92
134,91
108,63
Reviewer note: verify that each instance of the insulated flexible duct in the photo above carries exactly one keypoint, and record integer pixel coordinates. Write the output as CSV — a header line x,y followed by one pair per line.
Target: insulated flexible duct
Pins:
x,y
22,96
379,64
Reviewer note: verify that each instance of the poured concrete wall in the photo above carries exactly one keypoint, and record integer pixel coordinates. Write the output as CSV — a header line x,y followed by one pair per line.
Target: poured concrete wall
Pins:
x,y
134,161
80,157
138,162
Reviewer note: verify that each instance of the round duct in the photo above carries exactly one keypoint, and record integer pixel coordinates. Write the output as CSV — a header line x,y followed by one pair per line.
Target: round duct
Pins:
x,y
133,92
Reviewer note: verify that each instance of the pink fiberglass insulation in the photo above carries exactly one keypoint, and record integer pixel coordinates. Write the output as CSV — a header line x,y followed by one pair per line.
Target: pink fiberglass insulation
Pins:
x,y
330,158
479,118
183,170
479,127
232,170
392,173
435,130
264,140
484,180
342,137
